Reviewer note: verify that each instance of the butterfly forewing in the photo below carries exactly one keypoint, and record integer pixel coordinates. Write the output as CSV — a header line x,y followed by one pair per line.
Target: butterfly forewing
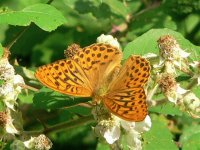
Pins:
x,y
63,76
97,62
126,97
83,72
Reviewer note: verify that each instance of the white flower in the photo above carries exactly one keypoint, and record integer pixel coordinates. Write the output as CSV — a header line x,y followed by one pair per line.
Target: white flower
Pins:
x,y
38,143
112,134
192,104
169,68
30,143
109,39
7,94
144,125
177,93
17,81
171,51
133,139
170,88
134,131
7,122
10,89
109,130
6,70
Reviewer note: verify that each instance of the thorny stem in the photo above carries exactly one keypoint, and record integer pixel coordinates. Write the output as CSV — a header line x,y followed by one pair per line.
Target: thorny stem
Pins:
x,y
70,124
192,84
62,126
24,86
151,93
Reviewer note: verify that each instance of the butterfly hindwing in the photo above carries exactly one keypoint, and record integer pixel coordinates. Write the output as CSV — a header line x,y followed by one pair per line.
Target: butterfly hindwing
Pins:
x,y
129,105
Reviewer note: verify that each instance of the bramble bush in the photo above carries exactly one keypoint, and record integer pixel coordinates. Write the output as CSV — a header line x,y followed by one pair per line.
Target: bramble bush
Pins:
x,y
35,33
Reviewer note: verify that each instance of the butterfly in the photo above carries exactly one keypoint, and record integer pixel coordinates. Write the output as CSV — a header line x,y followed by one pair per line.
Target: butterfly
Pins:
x,y
95,71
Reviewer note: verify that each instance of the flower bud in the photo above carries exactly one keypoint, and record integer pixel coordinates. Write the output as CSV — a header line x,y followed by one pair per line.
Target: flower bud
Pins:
x,y
108,39
38,143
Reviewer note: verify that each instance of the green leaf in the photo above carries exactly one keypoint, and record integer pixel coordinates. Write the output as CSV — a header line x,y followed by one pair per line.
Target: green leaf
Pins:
x,y
80,110
192,143
1,51
45,16
26,98
1,82
2,105
159,137
188,132
152,19
101,146
48,99
166,109
117,7
147,43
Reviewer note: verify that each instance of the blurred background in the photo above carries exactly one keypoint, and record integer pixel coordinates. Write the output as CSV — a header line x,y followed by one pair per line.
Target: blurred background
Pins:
x,y
86,20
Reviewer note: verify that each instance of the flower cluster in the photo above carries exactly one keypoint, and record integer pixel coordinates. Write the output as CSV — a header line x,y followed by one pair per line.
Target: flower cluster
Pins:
x,y
113,129
173,58
10,118
40,142
9,90
172,54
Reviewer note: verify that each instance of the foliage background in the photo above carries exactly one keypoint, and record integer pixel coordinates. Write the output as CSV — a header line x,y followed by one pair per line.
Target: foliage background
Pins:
x,y
83,22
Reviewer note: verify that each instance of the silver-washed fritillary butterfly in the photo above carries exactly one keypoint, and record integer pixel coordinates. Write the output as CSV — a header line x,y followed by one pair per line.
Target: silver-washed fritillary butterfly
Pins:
x,y
95,71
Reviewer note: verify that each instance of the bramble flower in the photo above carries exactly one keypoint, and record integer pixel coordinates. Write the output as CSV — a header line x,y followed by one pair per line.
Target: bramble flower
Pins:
x,y
6,122
191,103
6,70
133,131
170,51
109,127
10,88
170,87
109,130
109,39
38,143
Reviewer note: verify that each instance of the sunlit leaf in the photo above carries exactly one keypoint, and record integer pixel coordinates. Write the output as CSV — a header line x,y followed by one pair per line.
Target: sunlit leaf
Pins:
x,y
45,16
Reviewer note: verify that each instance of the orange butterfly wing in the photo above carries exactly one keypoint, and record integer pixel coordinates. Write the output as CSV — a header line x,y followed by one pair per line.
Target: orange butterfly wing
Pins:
x,y
65,77
126,97
83,73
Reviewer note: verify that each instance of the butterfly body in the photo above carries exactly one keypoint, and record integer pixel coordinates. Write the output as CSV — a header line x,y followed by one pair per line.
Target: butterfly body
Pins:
x,y
96,71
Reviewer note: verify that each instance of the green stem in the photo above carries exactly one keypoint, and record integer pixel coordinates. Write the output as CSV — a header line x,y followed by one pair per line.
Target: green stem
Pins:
x,y
69,124
151,93
61,126
192,84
